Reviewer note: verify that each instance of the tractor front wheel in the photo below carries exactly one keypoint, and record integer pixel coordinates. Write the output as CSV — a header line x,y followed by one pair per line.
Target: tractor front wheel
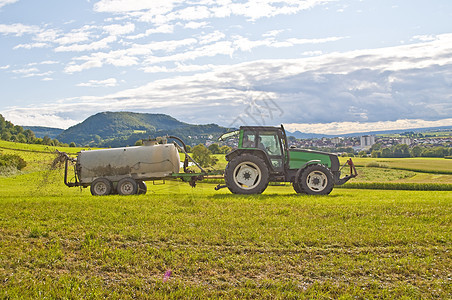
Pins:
x,y
315,180
246,174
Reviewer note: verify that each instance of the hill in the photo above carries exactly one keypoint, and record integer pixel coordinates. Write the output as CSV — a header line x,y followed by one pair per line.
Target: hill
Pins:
x,y
15,133
41,132
115,129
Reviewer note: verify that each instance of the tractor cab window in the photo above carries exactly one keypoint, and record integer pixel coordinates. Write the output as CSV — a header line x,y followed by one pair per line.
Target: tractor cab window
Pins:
x,y
249,139
269,142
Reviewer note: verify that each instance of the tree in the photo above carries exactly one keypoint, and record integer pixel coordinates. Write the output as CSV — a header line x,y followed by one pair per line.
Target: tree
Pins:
x,y
21,138
416,151
55,142
376,146
362,154
6,136
386,152
29,135
214,148
72,144
225,149
202,155
46,140
376,154
401,150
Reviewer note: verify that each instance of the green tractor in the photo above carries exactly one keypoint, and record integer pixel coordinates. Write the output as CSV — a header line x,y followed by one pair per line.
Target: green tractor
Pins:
x,y
263,156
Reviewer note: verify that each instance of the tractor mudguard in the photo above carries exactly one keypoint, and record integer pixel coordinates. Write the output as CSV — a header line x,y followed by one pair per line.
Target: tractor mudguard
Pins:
x,y
258,152
300,170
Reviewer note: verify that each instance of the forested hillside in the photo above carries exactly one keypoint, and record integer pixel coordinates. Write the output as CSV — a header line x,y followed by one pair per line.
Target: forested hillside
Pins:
x,y
114,129
15,133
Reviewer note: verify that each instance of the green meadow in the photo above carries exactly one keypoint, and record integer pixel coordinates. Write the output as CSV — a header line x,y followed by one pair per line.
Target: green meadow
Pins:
x,y
178,242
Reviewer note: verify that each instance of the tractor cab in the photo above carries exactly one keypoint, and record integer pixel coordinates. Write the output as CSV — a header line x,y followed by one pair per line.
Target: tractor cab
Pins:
x,y
270,140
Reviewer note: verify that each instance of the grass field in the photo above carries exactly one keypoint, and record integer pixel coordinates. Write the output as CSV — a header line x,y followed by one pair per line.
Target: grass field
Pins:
x,y
58,242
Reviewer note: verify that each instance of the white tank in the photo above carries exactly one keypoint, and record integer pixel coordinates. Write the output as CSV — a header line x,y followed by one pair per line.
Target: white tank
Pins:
x,y
139,162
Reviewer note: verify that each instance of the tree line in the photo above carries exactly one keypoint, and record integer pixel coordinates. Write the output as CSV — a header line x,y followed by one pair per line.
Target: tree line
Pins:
x,y
15,133
403,150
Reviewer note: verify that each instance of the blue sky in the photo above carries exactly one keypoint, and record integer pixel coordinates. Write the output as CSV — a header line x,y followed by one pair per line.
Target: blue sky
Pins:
x,y
323,66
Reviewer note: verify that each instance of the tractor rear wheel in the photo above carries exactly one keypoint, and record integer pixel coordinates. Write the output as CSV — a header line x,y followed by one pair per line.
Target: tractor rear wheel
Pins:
x,y
246,174
316,180
297,187
101,187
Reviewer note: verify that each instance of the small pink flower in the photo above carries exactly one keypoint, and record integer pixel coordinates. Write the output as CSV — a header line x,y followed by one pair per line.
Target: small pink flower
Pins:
x,y
167,275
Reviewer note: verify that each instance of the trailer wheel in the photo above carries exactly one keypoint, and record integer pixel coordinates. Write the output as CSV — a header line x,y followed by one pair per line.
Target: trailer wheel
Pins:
x,y
142,188
101,187
246,174
127,186
316,180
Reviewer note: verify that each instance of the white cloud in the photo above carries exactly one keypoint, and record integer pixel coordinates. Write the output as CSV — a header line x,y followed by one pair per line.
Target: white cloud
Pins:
x,y
219,48
165,11
102,44
46,35
118,58
192,13
72,67
74,36
4,67
211,37
40,118
25,71
31,46
337,128
272,33
180,68
312,53
165,28
18,29
31,72
46,62
295,41
124,6
117,29
195,25
409,82
110,82
6,2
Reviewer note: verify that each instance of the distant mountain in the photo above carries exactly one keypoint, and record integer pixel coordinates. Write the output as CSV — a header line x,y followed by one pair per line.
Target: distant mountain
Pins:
x,y
398,131
41,132
302,135
115,129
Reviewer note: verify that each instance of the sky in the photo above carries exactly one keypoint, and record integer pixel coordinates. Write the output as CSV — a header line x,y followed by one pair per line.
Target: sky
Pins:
x,y
319,66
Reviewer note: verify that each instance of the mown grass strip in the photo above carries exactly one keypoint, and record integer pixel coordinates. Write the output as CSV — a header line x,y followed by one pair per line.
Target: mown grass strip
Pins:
x,y
402,186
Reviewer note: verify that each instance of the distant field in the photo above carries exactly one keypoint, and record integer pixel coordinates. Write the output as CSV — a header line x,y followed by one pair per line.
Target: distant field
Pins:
x,y
59,242
418,164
